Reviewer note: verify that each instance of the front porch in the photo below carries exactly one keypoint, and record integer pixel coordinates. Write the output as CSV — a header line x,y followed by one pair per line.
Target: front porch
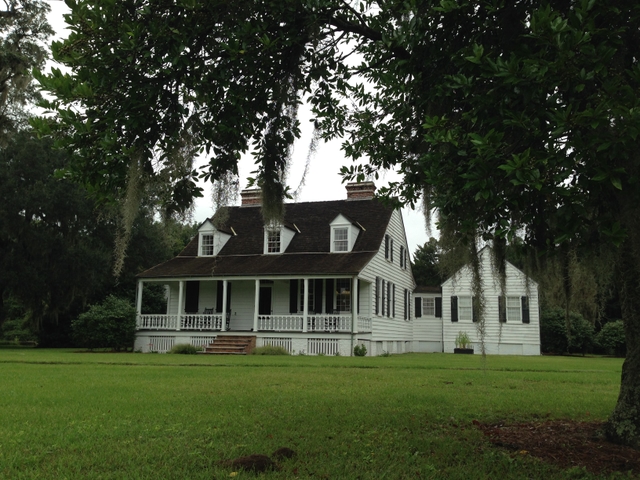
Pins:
x,y
296,305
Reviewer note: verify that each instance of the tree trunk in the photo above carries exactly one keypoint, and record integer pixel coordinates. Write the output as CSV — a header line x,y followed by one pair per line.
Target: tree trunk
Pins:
x,y
624,424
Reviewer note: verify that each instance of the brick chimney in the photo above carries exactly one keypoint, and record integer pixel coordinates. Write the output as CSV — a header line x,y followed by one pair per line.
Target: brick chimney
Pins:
x,y
251,197
361,191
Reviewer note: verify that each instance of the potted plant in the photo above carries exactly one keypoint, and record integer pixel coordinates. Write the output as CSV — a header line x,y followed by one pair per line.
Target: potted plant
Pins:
x,y
463,343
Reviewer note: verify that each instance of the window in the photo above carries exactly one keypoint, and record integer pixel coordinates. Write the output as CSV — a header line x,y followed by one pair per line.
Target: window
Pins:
x,y
273,240
465,308
429,307
403,257
206,245
407,304
340,239
343,295
388,248
513,309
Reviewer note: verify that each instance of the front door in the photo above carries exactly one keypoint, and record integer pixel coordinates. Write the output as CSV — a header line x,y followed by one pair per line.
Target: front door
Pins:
x,y
264,304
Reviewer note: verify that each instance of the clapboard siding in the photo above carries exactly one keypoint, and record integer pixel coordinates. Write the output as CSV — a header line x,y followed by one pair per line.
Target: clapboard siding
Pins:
x,y
383,327
499,337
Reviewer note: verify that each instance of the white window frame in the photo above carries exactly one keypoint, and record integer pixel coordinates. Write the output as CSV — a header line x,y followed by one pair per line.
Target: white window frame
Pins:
x,y
513,307
269,243
342,242
429,306
207,249
465,309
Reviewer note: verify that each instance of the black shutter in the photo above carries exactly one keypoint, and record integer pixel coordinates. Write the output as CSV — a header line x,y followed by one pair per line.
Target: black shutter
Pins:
x,y
329,295
502,311
293,296
228,298
393,296
377,296
525,310
418,302
386,247
192,296
475,305
439,307
388,299
317,297
358,296
219,293
454,309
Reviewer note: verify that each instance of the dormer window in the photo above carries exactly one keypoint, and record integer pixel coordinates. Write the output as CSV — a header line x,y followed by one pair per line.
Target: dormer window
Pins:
x,y
344,234
211,240
273,240
341,239
206,245
277,238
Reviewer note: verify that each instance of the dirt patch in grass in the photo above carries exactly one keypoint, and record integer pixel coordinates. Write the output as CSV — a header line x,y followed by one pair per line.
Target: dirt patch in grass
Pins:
x,y
566,444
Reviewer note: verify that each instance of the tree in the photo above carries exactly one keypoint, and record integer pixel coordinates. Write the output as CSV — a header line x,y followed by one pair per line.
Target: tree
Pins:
x,y
53,252
510,118
425,264
24,32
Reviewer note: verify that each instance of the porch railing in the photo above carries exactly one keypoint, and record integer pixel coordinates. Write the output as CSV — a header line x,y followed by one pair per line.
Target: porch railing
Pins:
x,y
187,322
329,323
201,322
280,323
157,322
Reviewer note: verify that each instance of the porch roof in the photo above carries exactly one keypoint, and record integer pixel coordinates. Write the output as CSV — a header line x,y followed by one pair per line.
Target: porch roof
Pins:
x,y
260,265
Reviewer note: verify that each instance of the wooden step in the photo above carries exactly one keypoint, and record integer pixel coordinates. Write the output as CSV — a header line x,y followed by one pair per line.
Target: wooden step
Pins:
x,y
231,345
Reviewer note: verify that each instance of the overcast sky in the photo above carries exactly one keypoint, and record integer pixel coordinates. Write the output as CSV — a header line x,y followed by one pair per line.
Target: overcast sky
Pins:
x,y
323,181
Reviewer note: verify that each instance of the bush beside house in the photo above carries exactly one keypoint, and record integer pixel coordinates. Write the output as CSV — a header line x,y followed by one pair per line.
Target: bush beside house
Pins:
x,y
111,324
555,338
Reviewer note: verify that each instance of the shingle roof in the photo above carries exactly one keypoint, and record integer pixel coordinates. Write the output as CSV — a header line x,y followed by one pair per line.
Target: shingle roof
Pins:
x,y
308,252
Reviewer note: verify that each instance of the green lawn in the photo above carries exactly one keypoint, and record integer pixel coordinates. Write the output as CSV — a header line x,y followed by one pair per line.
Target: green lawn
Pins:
x,y
100,415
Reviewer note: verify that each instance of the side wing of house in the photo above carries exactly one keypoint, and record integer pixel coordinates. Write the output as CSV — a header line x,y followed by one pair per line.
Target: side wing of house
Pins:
x,y
391,293
427,327
512,322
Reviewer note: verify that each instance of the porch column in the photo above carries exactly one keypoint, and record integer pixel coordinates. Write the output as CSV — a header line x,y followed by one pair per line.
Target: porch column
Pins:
x,y
354,305
180,304
256,306
305,308
139,297
139,304
224,306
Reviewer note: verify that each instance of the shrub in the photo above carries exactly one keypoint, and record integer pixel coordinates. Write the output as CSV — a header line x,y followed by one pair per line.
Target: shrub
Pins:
x,y
611,339
360,350
185,349
463,340
269,350
111,324
553,332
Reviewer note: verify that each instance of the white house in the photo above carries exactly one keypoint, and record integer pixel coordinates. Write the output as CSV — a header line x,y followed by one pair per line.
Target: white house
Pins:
x,y
331,275
512,321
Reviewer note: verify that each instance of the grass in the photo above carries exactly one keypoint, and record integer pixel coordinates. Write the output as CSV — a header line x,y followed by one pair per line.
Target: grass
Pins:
x,y
111,416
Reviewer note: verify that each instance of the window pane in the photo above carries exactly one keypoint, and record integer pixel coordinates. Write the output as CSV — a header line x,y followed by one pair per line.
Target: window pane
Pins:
x,y
207,244
429,306
513,309
273,241
465,308
340,240
343,295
